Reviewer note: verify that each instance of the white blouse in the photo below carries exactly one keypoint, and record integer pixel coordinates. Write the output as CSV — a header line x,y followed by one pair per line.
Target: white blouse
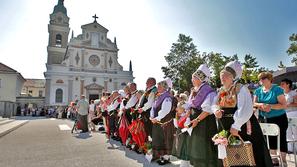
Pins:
x,y
132,101
150,101
290,99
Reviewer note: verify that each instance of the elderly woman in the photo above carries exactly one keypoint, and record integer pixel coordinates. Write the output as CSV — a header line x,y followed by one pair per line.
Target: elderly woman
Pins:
x,y
162,119
271,102
201,150
234,107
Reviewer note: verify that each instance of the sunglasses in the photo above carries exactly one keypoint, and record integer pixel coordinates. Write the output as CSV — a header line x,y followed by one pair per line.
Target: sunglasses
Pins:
x,y
263,78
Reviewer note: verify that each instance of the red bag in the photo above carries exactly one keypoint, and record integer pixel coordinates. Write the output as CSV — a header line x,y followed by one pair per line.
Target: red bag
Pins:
x,y
78,125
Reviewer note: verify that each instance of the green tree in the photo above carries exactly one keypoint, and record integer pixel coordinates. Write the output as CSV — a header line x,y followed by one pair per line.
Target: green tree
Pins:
x,y
216,62
183,59
249,68
292,50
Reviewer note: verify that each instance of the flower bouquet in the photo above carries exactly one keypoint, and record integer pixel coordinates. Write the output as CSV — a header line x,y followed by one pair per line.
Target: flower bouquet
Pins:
x,y
221,139
147,149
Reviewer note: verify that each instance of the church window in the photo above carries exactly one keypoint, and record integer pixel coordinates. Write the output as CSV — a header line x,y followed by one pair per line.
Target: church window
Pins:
x,y
58,40
123,84
59,95
94,79
77,58
94,60
40,93
87,35
110,80
110,62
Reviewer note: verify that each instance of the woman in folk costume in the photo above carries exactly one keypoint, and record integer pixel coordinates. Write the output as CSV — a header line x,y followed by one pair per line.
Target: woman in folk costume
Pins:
x,y
162,119
113,111
123,123
201,150
234,107
181,138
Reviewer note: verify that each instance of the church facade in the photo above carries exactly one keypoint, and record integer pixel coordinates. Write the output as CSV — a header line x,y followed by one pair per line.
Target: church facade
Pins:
x,y
84,65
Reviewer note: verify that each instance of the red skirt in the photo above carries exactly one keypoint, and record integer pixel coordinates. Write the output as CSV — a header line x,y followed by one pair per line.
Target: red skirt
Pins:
x,y
138,132
124,129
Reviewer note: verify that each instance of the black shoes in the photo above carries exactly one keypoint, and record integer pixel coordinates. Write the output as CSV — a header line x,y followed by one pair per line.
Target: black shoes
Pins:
x,y
163,161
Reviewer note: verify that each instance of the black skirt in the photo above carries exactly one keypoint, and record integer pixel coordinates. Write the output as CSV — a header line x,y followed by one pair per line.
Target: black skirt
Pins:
x,y
180,145
201,149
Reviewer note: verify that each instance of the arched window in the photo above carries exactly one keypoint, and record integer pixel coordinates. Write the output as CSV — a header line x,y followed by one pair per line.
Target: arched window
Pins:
x,y
59,95
59,40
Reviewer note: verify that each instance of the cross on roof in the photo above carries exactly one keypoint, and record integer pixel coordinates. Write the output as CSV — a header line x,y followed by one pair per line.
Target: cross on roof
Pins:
x,y
95,17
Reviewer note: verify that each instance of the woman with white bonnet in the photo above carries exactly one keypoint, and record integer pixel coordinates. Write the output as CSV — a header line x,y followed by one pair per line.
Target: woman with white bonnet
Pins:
x,y
162,119
234,107
201,150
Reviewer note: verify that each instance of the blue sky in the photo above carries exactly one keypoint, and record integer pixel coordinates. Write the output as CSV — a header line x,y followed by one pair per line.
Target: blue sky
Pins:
x,y
146,29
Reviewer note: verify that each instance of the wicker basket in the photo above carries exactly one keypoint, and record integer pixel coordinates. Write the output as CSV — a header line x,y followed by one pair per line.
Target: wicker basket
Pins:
x,y
239,155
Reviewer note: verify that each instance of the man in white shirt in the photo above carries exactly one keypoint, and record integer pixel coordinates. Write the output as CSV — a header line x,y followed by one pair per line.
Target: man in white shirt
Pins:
x,y
145,104
82,109
131,102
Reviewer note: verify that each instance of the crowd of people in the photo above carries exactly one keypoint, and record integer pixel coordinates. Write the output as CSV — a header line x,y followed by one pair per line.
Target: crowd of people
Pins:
x,y
160,123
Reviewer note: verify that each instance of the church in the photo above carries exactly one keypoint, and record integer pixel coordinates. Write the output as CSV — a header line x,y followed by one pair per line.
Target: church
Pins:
x,y
86,64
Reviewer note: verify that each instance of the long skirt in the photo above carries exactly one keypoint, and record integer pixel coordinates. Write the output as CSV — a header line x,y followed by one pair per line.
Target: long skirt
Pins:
x,y
202,151
123,129
260,150
162,136
138,133
180,145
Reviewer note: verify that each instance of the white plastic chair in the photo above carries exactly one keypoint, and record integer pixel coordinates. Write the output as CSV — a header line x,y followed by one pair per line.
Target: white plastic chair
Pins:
x,y
270,129
293,139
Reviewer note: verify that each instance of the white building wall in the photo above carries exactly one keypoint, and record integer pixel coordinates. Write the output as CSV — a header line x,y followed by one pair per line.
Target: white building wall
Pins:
x,y
8,87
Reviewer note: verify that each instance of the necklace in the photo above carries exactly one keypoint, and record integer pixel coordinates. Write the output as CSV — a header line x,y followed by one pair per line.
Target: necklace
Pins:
x,y
267,89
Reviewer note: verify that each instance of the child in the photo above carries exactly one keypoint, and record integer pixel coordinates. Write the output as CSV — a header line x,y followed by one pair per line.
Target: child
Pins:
x,y
181,123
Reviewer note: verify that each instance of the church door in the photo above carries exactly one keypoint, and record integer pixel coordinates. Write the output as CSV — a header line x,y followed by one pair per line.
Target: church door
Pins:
x,y
93,97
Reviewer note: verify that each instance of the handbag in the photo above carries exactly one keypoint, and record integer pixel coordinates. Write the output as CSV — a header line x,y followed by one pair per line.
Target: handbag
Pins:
x,y
239,155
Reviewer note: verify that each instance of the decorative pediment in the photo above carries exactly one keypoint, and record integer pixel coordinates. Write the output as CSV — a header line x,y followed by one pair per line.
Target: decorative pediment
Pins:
x,y
94,27
94,86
